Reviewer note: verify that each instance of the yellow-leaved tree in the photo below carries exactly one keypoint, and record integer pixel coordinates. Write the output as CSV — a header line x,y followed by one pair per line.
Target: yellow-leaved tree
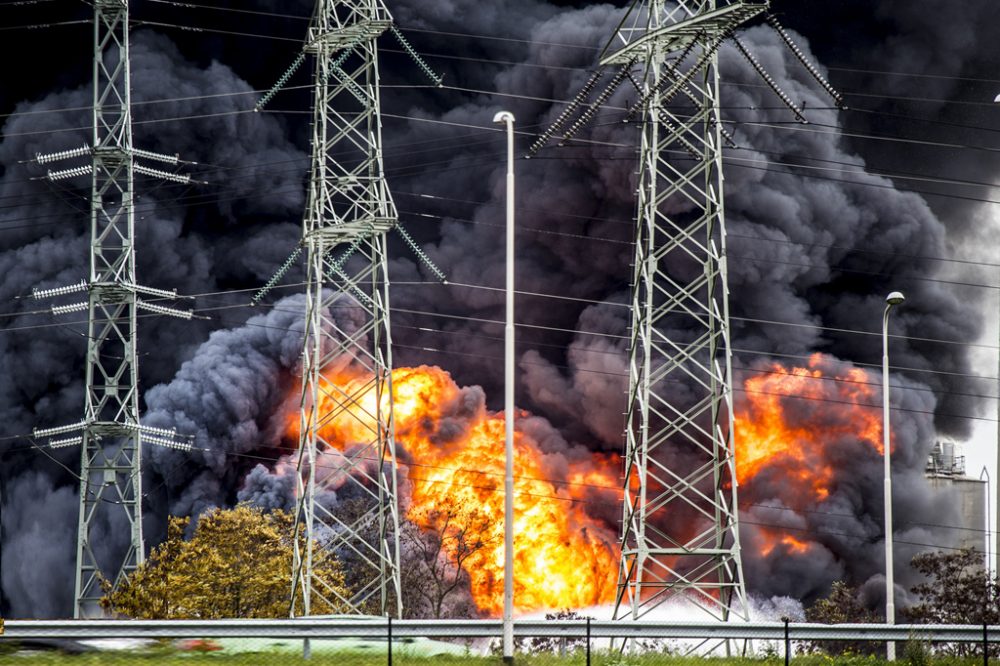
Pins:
x,y
237,564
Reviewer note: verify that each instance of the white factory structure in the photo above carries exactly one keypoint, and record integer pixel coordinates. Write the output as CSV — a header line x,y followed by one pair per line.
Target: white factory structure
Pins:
x,y
946,473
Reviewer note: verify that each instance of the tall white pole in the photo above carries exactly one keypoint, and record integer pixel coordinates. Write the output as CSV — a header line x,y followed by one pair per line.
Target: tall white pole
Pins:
x,y
894,298
988,523
507,118
996,500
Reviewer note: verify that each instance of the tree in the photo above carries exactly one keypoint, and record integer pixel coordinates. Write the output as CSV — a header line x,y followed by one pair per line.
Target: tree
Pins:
x,y
237,563
958,590
839,606
438,544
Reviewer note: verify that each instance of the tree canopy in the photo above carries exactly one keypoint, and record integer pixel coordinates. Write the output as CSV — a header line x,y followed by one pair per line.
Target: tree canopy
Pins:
x,y
839,606
436,554
958,589
237,563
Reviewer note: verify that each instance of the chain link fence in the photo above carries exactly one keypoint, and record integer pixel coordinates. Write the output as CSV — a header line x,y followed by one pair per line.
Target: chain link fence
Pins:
x,y
364,641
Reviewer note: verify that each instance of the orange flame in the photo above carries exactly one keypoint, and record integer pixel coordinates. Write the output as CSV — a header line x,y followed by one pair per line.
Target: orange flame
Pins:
x,y
793,419
789,543
563,557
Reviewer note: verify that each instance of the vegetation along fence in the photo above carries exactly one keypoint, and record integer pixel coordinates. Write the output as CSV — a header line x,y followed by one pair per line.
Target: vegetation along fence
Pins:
x,y
357,641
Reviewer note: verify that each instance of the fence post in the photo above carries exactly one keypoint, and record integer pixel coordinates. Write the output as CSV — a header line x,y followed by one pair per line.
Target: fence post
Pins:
x,y
388,631
788,643
588,640
986,646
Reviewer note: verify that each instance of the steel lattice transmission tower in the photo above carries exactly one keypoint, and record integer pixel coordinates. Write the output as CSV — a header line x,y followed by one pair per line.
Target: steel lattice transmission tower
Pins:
x,y
679,528
110,435
680,532
349,211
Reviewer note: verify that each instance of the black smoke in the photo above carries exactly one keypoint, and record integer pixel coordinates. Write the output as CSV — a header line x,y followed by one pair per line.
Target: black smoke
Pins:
x,y
814,247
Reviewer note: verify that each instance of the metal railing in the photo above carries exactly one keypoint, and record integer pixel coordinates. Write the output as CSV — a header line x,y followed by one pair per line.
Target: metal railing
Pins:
x,y
584,633
381,627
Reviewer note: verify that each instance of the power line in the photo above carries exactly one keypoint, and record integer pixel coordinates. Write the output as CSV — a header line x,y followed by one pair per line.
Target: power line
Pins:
x,y
631,223
140,23
597,48
231,10
736,161
758,260
846,93
39,26
576,500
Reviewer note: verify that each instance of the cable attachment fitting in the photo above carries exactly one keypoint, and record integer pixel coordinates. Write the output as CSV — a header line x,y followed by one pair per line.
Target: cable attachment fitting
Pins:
x,y
772,20
570,109
597,103
282,80
424,67
65,443
62,155
167,443
59,430
164,175
417,250
276,278
73,172
66,309
39,294
159,309
769,81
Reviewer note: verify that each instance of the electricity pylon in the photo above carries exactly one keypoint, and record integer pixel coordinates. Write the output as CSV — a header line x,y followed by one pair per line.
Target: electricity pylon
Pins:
x,y
680,532
110,436
346,358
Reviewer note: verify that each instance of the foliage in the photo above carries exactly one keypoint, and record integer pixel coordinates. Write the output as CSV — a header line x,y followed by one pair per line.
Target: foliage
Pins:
x,y
841,605
237,563
917,652
378,658
958,589
437,545
560,645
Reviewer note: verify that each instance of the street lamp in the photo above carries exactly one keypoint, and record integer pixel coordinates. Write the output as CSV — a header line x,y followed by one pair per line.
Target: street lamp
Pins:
x,y
988,525
996,500
895,298
507,118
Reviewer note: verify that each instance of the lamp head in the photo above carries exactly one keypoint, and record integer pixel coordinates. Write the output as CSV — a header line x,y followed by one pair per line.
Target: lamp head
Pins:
x,y
503,117
895,298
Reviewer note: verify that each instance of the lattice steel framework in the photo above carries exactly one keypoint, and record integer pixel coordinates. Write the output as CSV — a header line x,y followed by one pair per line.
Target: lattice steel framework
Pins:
x,y
679,531
346,439
110,434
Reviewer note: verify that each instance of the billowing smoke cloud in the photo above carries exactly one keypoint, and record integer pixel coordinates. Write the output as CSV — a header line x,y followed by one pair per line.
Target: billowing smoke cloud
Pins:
x,y
39,549
799,204
184,242
228,396
793,231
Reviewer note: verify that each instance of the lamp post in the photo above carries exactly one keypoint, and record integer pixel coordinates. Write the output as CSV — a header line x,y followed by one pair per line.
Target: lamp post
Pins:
x,y
996,500
895,298
988,525
507,118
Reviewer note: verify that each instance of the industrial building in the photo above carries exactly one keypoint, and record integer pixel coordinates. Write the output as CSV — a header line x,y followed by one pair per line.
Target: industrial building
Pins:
x,y
946,473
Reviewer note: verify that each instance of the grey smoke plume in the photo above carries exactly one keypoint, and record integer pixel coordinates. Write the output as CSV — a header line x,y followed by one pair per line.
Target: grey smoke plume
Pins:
x,y
229,397
180,244
799,204
39,548
228,388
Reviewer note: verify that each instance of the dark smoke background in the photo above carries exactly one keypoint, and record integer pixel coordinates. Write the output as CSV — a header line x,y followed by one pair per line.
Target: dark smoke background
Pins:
x,y
835,244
